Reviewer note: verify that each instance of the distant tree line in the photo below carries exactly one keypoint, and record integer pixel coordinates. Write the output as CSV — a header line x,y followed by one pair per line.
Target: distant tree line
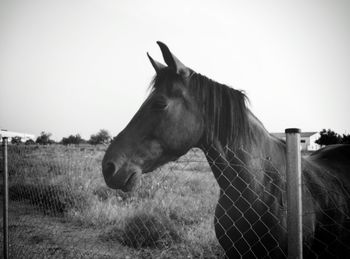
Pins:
x,y
101,137
73,139
44,138
329,137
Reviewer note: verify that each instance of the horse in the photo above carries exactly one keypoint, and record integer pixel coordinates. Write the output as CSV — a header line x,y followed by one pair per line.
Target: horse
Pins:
x,y
184,110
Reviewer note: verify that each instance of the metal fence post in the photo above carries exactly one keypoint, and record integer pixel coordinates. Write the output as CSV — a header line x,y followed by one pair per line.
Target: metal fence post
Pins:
x,y
5,201
294,199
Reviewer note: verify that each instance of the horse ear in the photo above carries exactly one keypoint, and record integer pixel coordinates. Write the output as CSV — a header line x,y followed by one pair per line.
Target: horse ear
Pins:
x,y
156,65
172,61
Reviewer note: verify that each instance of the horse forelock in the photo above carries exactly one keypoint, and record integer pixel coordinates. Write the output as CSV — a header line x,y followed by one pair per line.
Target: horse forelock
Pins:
x,y
163,77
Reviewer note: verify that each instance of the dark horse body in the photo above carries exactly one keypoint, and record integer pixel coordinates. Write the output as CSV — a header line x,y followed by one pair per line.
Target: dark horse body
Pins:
x,y
185,110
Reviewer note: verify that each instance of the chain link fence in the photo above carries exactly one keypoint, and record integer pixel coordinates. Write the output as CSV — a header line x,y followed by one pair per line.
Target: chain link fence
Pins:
x,y
60,207
251,212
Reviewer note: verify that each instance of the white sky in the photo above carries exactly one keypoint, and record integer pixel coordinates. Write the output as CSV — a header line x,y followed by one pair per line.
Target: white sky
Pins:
x,y
77,66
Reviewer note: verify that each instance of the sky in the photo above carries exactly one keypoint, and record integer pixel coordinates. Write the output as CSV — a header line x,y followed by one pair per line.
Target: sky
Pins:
x,y
78,66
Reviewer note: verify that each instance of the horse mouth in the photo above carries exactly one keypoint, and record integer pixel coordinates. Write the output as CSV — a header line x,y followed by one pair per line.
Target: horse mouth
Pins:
x,y
131,183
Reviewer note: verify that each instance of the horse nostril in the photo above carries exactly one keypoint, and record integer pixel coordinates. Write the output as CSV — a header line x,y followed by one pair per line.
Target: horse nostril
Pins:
x,y
109,169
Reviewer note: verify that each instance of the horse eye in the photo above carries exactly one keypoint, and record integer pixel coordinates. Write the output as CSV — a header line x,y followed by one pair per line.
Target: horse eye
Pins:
x,y
159,105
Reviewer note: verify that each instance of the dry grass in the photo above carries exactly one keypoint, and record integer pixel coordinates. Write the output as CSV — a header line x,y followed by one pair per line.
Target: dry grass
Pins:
x,y
152,230
169,216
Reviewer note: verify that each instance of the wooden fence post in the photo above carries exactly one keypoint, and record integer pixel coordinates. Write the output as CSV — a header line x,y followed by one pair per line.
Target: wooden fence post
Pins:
x,y
294,199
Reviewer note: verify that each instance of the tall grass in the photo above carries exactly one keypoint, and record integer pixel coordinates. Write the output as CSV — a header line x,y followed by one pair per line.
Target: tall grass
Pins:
x,y
171,213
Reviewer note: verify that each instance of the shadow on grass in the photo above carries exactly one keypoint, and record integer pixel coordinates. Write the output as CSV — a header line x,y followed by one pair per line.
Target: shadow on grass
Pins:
x,y
49,199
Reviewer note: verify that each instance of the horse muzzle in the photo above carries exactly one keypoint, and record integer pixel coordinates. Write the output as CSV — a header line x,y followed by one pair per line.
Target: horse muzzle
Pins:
x,y
125,177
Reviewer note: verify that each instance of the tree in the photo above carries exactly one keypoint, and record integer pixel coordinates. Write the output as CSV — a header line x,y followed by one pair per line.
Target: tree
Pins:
x,y
77,139
102,137
328,137
16,140
345,139
44,138
29,142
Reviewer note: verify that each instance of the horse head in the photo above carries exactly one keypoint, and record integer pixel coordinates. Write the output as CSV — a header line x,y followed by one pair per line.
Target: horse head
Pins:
x,y
165,127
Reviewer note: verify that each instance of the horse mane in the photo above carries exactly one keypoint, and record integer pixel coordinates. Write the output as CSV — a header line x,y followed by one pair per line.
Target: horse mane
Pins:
x,y
223,108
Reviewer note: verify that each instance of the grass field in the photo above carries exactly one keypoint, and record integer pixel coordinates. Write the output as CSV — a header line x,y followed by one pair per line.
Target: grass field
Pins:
x,y
60,206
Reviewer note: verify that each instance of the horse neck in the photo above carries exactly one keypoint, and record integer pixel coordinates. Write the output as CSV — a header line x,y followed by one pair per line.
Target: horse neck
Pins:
x,y
251,160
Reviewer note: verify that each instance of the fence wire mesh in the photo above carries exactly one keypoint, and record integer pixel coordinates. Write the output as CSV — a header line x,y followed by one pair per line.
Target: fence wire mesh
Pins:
x,y
60,207
250,209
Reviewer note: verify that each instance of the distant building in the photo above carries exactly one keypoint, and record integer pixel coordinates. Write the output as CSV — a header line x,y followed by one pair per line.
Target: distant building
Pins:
x,y
10,134
307,140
